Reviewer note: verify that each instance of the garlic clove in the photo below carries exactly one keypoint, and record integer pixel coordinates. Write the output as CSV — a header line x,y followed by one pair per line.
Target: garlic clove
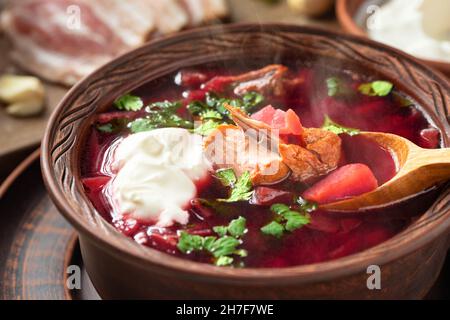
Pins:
x,y
15,89
26,108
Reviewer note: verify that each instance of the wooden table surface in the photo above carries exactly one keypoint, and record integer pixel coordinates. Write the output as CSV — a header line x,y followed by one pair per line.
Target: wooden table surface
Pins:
x,y
20,136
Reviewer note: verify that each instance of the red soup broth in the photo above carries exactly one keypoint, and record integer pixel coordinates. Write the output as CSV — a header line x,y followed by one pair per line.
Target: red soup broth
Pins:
x,y
328,235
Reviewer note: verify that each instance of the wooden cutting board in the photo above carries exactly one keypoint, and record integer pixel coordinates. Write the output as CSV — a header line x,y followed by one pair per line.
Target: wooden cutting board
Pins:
x,y
18,134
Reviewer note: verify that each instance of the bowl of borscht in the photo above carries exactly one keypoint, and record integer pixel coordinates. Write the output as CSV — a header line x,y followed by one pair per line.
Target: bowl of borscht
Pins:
x,y
173,197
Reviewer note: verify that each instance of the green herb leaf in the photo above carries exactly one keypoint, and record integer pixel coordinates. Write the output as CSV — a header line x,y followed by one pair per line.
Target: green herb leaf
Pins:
x,y
336,128
164,106
333,86
226,176
206,127
295,220
220,230
196,107
224,246
237,228
279,208
211,114
242,190
107,128
208,243
188,242
273,229
159,120
129,102
241,253
376,88
224,261
251,100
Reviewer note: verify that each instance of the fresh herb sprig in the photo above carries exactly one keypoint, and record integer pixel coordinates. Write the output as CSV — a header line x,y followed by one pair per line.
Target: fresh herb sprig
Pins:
x,y
212,111
129,102
336,128
288,220
337,88
378,88
223,247
241,188
160,115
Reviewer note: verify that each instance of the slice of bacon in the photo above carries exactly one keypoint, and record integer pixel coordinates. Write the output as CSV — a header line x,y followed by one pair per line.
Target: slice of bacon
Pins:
x,y
49,42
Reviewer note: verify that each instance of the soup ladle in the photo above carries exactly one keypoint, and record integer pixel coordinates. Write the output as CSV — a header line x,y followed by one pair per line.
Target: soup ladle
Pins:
x,y
417,169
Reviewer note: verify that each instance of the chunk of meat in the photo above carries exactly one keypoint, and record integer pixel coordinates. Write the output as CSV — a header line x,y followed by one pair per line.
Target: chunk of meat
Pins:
x,y
286,122
268,80
346,182
229,147
320,155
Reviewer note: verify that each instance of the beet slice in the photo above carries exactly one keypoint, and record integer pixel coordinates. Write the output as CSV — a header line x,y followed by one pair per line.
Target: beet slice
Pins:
x,y
264,196
429,138
95,184
347,181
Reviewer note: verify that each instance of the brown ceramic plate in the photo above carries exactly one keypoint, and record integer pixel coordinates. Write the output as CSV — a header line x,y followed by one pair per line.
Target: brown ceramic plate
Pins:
x,y
120,268
352,16
37,244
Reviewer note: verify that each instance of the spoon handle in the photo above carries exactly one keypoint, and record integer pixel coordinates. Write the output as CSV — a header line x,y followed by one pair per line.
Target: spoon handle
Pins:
x,y
431,157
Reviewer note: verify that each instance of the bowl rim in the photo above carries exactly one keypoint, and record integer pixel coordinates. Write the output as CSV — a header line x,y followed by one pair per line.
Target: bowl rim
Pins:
x,y
259,276
347,22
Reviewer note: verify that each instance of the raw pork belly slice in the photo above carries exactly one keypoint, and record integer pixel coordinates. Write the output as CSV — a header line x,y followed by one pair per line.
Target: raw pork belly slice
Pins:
x,y
44,45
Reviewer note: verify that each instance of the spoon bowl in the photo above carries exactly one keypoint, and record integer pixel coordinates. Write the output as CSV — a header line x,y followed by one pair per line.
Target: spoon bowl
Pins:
x,y
418,169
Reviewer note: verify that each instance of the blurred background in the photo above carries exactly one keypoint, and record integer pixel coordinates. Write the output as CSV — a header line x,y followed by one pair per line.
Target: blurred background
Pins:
x,y
46,46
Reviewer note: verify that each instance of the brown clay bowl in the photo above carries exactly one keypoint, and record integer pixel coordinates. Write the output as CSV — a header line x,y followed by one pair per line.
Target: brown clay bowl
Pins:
x,y
120,268
352,17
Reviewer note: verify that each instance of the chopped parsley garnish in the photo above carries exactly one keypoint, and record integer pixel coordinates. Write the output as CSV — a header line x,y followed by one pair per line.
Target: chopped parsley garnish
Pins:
x,y
188,242
160,115
107,128
287,220
273,229
226,176
129,102
237,228
338,88
206,127
224,261
221,248
211,114
155,121
213,102
242,190
336,128
377,88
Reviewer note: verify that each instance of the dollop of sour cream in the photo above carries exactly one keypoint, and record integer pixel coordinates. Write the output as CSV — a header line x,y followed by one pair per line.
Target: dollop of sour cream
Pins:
x,y
156,175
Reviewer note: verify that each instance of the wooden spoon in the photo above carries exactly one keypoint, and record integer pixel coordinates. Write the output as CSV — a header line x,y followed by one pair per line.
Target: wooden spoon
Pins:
x,y
417,170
